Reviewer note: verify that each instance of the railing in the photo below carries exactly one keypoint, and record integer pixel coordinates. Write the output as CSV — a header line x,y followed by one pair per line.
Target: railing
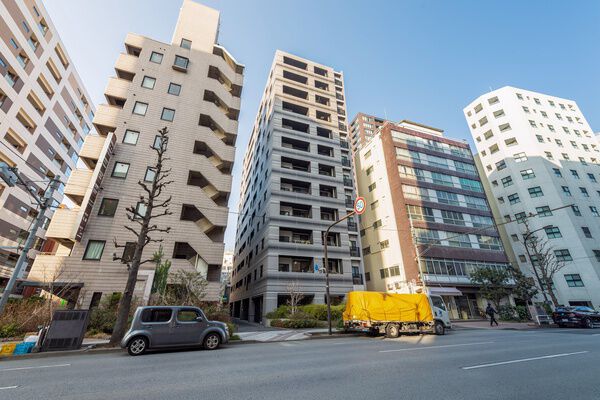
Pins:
x,y
354,251
344,144
357,280
349,203
347,182
352,227
345,162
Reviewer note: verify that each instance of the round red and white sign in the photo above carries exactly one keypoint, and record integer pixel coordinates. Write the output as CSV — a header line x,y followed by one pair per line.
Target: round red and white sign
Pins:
x,y
359,205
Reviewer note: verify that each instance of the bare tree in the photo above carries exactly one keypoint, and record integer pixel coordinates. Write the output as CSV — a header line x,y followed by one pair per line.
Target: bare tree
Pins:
x,y
142,215
293,289
544,262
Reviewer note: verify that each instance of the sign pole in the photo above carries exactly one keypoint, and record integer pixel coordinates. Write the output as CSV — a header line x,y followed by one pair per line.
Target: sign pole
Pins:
x,y
359,208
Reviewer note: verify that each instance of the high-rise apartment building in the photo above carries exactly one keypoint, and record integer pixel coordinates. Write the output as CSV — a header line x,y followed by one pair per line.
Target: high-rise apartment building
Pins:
x,y
45,114
539,153
427,223
362,129
297,180
192,86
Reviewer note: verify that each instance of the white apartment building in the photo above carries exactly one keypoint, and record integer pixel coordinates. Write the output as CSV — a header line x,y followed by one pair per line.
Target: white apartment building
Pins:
x,y
45,115
539,153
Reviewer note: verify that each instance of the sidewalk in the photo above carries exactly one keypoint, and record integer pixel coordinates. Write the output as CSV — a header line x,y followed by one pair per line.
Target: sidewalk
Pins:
x,y
278,335
484,324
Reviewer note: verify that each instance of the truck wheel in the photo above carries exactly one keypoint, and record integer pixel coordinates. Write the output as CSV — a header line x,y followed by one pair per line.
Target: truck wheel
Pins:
x,y
439,328
392,331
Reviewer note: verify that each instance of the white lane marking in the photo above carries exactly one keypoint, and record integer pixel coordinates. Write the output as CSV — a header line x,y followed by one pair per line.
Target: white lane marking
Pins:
x,y
436,347
596,334
8,387
37,367
525,359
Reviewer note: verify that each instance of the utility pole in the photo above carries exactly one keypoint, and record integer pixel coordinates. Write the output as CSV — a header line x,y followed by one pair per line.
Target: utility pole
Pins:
x,y
359,208
12,178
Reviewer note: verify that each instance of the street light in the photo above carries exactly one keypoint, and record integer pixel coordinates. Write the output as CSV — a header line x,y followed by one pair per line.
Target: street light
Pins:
x,y
525,240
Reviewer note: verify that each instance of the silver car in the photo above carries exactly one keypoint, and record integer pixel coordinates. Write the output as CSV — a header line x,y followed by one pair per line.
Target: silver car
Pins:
x,y
172,326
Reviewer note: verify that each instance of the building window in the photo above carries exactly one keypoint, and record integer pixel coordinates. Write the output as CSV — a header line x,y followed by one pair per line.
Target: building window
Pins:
x,y
543,211
167,114
372,186
131,137
148,82
594,211
514,198
597,254
157,142
563,255
377,224
584,192
520,157
120,170
553,232
574,280
181,62
527,174
557,172
186,44
156,57
140,210
575,174
586,232
592,177
507,181
520,217
128,252
566,190
515,238
500,165
576,211
94,250
140,108
174,89
535,191
150,174
108,207
522,258
549,155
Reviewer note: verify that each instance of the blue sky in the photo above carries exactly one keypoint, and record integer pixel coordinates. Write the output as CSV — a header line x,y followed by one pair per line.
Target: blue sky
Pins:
x,y
417,60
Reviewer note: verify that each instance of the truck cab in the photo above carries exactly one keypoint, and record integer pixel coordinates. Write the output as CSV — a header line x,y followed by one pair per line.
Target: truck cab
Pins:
x,y
440,311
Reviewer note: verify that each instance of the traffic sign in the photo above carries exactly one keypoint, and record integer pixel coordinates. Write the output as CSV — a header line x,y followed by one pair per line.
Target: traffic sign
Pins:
x,y
359,205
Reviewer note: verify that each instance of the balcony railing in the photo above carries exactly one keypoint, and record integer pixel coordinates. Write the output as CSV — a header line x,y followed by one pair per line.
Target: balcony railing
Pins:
x,y
357,280
344,144
352,226
345,162
354,251
347,182
349,203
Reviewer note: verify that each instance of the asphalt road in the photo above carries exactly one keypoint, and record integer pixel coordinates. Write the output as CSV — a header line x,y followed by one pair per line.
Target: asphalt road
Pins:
x,y
466,364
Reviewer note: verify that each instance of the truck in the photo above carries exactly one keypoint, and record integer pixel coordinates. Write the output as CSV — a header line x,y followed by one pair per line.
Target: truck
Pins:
x,y
393,314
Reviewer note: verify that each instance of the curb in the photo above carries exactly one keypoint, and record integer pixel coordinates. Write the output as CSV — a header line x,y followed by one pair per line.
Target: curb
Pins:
x,y
89,350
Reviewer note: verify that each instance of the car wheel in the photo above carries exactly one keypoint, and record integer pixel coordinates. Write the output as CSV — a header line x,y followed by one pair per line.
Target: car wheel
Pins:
x,y
392,331
137,346
212,341
439,328
588,323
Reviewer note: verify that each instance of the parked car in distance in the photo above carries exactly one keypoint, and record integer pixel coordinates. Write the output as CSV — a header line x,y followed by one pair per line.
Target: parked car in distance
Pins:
x,y
584,317
172,326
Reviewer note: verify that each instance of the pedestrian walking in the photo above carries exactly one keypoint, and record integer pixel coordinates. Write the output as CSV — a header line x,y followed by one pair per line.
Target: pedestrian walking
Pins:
x,y
491,312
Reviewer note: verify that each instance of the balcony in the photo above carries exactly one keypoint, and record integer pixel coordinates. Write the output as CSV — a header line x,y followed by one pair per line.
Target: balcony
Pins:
x,y
125,66
352,226
47,268
354,252
233,89
91,151
344,144
349,203
348,182
231,113
295,210
78,184
63,226
116,91
357,280
296,165
133,41
345,162
288,185
297,236
105,119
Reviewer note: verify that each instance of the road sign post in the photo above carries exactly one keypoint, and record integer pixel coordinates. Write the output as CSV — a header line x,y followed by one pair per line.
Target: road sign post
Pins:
x,y
359,208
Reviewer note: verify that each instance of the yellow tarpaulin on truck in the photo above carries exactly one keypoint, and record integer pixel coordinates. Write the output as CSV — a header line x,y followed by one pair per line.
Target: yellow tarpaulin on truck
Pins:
x,y
376,306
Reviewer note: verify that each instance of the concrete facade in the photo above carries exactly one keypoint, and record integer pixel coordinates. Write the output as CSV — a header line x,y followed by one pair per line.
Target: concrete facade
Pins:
x,y
45,114
427,223
192,86
297,180
539,153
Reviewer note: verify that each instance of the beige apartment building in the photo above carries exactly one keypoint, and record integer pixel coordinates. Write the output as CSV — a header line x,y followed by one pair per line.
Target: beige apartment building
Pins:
x,y
427,223
192,86
45,115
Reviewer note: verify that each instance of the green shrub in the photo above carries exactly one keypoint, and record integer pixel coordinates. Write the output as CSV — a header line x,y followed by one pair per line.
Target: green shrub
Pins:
x,y
279,312
523,313
104,317
295,323
508,313
9,330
